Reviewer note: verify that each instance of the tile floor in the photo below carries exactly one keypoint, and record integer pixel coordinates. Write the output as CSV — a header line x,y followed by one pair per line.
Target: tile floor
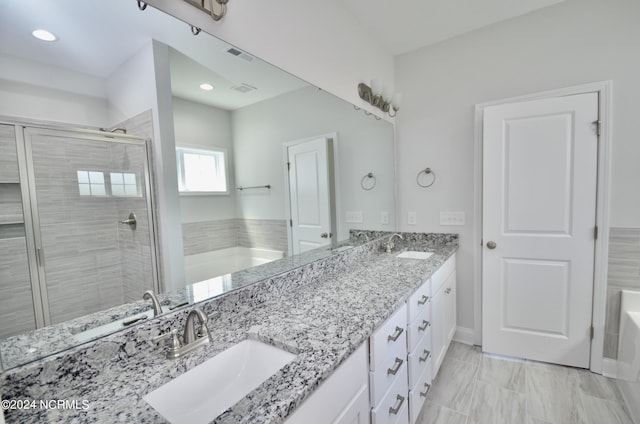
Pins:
x,y
474,388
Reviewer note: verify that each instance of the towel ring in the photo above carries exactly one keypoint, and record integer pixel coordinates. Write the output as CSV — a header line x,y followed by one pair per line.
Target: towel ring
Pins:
x,y
370,176
426,171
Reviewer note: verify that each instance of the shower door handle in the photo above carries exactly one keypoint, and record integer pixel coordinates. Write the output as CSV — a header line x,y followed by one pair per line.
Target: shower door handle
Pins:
x,y
130,221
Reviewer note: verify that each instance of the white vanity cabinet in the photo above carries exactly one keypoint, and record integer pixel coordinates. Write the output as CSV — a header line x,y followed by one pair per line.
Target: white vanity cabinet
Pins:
x,y
443,311
342,399
388,384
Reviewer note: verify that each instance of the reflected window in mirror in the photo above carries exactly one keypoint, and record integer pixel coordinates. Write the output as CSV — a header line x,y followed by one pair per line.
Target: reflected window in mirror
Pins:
x,y
124,184
91,183
202,171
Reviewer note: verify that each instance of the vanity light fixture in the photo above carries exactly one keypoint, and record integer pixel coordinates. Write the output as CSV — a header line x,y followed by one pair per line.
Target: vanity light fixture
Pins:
x,y
377,97
206,86
44,35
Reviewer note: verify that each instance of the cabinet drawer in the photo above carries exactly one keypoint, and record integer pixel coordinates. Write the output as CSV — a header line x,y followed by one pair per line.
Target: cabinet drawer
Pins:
x,y
419,360
418,329
418,301
393,408
385,375
390,340
417,396
440,276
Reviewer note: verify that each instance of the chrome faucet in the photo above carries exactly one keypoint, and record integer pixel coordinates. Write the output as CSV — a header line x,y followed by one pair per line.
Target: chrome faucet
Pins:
x,y
157,309
191,337
360,234
389,246
190,334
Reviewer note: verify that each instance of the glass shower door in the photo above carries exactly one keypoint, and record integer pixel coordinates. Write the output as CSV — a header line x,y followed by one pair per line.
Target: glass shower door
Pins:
x,y
17,313
92,218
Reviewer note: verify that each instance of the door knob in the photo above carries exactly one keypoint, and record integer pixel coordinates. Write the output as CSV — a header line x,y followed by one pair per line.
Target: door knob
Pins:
x,y
491,244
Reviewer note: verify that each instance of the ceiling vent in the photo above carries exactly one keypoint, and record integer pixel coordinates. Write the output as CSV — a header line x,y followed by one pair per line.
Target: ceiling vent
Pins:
x,y
243,88
238,53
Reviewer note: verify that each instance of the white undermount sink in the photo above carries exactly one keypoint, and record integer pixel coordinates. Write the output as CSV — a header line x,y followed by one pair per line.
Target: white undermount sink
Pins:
x,y
410,254
206,391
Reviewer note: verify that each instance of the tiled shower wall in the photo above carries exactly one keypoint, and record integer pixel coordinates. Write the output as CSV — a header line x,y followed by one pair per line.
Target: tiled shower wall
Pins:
x,y
200,237
623,273
135,247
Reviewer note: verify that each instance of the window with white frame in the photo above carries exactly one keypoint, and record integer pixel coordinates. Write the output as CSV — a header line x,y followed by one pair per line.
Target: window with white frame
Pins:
x,y
202,171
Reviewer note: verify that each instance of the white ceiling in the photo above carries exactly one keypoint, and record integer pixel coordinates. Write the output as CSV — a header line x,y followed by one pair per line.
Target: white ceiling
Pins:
x,y
96,37
405,25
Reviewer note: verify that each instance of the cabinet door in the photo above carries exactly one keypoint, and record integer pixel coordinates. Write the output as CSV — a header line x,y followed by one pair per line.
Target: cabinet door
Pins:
x,y
438,307
342,398
357,412
449,318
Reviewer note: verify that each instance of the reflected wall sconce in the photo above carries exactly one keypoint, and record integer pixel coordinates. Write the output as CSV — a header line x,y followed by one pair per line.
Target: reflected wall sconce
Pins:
x,y
216,8
375,96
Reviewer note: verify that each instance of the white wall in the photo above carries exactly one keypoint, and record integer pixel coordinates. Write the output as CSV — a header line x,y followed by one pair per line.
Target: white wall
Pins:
x,y
35,91
140,84
201,126
318,41
575,42
365,145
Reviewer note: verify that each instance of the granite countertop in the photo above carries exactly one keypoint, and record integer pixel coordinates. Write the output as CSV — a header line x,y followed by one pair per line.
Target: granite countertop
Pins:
x,y
322,322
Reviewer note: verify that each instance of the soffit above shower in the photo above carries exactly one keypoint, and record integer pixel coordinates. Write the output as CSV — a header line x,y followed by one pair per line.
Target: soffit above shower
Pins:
x,y
404,25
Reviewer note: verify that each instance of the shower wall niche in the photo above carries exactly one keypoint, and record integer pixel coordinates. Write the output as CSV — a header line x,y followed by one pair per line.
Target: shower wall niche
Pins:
x,y
65,249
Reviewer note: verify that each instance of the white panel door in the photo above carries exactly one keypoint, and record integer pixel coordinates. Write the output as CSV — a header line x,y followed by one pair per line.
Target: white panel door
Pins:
x,y
309,195
539,203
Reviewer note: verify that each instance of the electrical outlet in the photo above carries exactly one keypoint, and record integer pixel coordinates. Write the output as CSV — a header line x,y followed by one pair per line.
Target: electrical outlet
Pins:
x,y
411,218
354,217
384,218
452,218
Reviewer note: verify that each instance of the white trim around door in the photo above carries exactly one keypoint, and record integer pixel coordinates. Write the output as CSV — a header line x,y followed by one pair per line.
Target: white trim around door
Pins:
x,y
604,90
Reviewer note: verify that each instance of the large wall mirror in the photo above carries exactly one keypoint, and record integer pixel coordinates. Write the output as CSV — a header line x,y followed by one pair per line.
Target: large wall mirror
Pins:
x,y
265,168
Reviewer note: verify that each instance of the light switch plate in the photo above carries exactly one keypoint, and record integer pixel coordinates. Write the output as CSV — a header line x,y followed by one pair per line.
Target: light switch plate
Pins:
x,y
384,217
354,217
452,218
411,218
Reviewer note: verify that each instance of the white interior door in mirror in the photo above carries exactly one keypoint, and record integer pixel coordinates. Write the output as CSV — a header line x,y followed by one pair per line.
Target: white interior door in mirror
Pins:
x,y
539,206
309,194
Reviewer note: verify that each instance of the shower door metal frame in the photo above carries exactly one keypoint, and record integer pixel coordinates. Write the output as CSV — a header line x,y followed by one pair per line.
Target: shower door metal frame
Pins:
x,y
35,254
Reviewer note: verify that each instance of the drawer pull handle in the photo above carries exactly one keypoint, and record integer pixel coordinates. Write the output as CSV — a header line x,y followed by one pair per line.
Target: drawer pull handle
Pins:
x,y
447,291
394,336
425,356
424,326
396,409
426,386
396,368
423,299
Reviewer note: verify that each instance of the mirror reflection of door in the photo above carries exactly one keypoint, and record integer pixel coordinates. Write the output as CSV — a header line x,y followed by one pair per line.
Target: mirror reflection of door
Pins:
x,y
310,165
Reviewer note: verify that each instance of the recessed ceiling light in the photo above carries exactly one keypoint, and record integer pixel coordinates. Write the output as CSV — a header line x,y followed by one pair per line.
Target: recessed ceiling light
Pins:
x,y
206,86
44,35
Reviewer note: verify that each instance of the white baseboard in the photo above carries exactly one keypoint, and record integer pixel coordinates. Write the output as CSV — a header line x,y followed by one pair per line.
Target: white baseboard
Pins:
x,y
464,335
609,367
